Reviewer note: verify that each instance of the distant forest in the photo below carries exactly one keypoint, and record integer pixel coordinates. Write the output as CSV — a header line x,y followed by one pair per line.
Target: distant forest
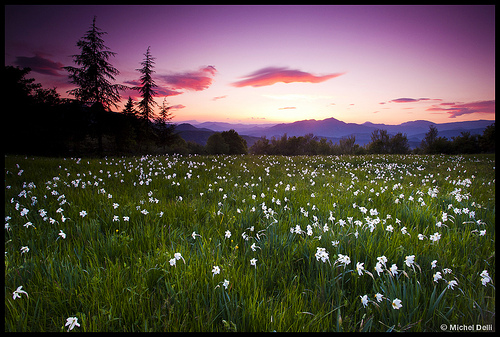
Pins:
x,y
39,122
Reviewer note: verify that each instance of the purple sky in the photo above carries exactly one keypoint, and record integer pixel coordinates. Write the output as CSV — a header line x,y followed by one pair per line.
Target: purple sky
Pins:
x,y
268,64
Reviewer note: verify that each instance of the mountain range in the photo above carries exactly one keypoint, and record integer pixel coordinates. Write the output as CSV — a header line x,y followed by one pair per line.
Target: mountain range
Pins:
x,y
330,128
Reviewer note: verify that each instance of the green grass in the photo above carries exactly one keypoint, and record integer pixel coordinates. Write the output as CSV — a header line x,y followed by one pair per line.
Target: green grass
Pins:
x,y
113,270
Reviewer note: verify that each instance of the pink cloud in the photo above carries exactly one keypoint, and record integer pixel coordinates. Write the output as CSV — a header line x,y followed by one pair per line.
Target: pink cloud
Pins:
x,y
218,97
194,80
458,109
167,92
40,64
410,100
177,107
272,75
287,108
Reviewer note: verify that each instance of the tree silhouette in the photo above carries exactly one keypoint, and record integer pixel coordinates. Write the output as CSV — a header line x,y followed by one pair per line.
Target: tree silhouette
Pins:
x,y
164,116
129,108
147,103
465,143
18,89
346,144
432,144
94,72
236,143
487,139
216,144
165,128
379,142
429,139
398,144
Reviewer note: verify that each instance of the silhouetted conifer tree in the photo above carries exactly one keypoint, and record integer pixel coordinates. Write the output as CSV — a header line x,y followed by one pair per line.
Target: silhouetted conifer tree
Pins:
x,y
164,116
165,128
147,103
129,108
94,72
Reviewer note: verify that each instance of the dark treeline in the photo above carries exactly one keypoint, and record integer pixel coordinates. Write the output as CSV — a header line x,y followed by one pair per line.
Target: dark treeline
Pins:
x,y
41,123
381,143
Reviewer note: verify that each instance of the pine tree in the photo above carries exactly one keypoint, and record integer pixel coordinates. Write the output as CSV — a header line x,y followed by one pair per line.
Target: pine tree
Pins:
x,y
164,116
147,103
129,108
94,72
165,128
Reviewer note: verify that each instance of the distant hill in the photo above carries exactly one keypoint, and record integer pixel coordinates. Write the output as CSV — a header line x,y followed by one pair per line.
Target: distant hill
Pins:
x,y
330,128
189,132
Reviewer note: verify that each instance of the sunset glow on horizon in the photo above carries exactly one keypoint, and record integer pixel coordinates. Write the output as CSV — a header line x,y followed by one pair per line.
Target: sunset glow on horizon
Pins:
x,y
274,64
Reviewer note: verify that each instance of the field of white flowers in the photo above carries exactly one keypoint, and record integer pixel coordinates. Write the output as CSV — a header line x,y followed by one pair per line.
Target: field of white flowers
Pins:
x,y
249,243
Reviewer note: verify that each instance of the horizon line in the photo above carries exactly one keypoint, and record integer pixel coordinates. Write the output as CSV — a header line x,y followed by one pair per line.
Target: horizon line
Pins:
x,y
191,121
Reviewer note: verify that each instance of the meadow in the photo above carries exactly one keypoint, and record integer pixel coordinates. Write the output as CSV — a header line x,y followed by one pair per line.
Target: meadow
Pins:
x,y
250,243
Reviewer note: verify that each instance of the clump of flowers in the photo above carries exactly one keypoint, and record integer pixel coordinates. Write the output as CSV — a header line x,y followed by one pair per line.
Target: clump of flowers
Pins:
x,y
322,254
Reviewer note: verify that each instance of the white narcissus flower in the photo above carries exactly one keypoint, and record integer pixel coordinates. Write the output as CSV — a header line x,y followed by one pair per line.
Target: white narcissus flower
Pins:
x,y
364,300
452,283
17,293
410,260
71,322
378,268
485,277
435,237
360,268
254,247
178,256
344,259
382,259
396,304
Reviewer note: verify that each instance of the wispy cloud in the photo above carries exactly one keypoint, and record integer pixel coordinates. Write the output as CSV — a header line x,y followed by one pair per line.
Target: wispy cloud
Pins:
x,y
410,100
40,64
177,107
218,97
167,92
272,75
458,109
288,108
197,80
